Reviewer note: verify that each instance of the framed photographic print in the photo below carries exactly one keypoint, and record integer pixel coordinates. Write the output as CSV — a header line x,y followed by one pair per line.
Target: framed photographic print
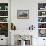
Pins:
x,y
22,14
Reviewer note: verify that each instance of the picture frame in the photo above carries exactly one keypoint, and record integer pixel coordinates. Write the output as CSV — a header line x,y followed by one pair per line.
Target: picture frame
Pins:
x,y
22,14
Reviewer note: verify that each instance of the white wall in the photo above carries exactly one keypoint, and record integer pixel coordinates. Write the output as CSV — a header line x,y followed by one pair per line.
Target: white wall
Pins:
x,y
32,6
23,24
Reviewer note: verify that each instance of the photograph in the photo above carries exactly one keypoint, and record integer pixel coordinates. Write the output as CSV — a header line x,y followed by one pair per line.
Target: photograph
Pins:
x,y
22,14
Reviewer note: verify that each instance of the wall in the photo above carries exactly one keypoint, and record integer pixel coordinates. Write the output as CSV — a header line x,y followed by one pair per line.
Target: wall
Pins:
x,y
23,24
